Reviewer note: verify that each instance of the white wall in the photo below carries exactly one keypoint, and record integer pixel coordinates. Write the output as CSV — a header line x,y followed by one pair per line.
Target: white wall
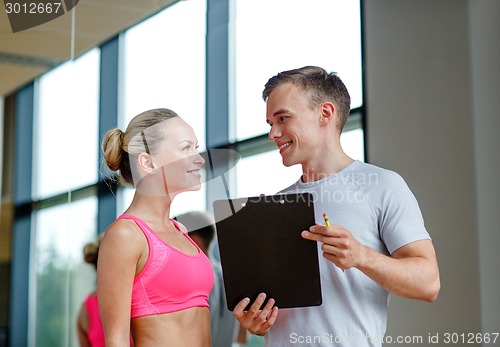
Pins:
x,y
432,91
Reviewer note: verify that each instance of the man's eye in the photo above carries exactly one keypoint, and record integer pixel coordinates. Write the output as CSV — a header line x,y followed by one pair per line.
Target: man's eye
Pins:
x,y
282,119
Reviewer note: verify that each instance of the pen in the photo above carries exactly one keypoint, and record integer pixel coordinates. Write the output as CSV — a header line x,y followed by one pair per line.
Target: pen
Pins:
x,y
327,223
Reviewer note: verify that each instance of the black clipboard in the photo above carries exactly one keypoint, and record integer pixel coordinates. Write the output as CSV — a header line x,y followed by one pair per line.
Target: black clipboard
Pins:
x,y
261,249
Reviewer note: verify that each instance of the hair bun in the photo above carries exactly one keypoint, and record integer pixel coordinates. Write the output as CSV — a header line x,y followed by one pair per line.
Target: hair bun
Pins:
x,y
112,146
90,253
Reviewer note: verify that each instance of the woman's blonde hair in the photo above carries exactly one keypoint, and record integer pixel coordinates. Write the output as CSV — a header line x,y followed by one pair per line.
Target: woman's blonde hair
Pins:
x,y
119,146
91,251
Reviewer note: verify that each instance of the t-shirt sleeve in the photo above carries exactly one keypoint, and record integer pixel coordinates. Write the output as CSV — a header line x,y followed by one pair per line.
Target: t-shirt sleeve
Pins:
x,y
400,220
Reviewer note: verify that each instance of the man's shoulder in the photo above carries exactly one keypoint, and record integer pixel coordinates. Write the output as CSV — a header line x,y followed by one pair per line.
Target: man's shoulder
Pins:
x,y
372,168
373,175
290,189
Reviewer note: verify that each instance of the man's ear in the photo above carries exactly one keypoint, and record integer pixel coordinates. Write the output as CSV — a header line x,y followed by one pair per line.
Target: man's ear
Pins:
x,y
146,162
327,115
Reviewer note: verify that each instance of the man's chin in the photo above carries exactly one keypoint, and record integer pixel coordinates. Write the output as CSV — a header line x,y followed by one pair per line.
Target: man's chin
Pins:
x,y
288,162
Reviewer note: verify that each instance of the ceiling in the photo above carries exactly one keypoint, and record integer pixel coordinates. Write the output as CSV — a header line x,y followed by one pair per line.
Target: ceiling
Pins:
x,y
27,54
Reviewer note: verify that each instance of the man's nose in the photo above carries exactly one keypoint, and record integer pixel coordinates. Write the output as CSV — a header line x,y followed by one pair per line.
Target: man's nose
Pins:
x,y
274,133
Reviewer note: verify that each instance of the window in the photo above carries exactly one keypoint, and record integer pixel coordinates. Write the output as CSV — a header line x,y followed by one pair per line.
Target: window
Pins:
x,y
168,71
164,63
65,149
289,35
61,279
65,144
264,174
278,35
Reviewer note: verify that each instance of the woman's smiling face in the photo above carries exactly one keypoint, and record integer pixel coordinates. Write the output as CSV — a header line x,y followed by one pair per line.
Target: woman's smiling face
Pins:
x,y
179,157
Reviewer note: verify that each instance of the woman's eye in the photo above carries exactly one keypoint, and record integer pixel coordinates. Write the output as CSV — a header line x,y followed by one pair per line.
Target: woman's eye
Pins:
x,y
190,147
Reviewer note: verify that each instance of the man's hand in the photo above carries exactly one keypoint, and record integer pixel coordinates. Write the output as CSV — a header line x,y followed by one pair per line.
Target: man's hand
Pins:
x,y
339,246
255,320
411,271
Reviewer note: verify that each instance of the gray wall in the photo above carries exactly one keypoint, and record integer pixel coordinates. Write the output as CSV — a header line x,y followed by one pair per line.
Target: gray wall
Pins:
x,y
485,59
433,95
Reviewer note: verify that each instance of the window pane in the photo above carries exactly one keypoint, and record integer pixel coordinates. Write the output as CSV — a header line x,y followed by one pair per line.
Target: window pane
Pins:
x,y
165,65
291,34
61,279
264,174
353,144
66,144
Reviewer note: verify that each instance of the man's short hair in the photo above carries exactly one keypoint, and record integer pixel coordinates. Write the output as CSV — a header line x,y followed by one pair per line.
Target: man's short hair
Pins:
x,y
319,85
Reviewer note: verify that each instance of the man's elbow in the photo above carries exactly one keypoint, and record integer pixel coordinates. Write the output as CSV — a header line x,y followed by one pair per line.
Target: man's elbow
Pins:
x,y
431,292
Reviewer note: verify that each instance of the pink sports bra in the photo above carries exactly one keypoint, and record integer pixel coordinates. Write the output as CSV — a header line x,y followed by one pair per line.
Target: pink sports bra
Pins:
x,y
171,280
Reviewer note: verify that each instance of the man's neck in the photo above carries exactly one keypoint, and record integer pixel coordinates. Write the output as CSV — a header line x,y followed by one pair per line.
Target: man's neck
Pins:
x,y
333,165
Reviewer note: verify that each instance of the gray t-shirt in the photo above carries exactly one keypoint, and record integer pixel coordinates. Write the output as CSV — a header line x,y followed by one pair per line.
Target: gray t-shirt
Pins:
x,y
380,211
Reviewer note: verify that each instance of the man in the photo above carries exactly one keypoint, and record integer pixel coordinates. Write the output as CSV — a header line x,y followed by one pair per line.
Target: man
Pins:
x,y
377,243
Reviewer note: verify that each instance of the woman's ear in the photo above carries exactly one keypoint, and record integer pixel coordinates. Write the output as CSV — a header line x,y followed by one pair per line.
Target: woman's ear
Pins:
x,y
146,162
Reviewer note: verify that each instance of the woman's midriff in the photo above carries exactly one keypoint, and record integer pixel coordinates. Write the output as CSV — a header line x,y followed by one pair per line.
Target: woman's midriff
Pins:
x,y
189,327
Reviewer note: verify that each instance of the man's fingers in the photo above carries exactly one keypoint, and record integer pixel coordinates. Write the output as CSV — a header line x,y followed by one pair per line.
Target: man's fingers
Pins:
x,y
263,315
311,236
321,230
256,320
319,237
268,323
238,310
255,308
272,317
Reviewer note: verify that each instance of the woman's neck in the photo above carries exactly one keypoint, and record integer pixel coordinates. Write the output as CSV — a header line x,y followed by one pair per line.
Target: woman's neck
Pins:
x,y
150,207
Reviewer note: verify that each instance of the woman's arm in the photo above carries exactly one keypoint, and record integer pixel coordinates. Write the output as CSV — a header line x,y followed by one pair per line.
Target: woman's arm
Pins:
x,y
82,325
119,254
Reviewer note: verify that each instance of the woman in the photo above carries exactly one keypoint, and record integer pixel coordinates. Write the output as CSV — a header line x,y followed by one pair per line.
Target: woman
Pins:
x,y
88,324
152,279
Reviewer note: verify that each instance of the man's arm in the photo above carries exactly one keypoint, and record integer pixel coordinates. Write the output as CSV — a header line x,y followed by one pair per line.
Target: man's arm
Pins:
x,y
411,271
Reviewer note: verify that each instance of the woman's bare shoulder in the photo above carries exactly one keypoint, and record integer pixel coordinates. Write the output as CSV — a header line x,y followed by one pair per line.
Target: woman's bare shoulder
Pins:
x,y
123,231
